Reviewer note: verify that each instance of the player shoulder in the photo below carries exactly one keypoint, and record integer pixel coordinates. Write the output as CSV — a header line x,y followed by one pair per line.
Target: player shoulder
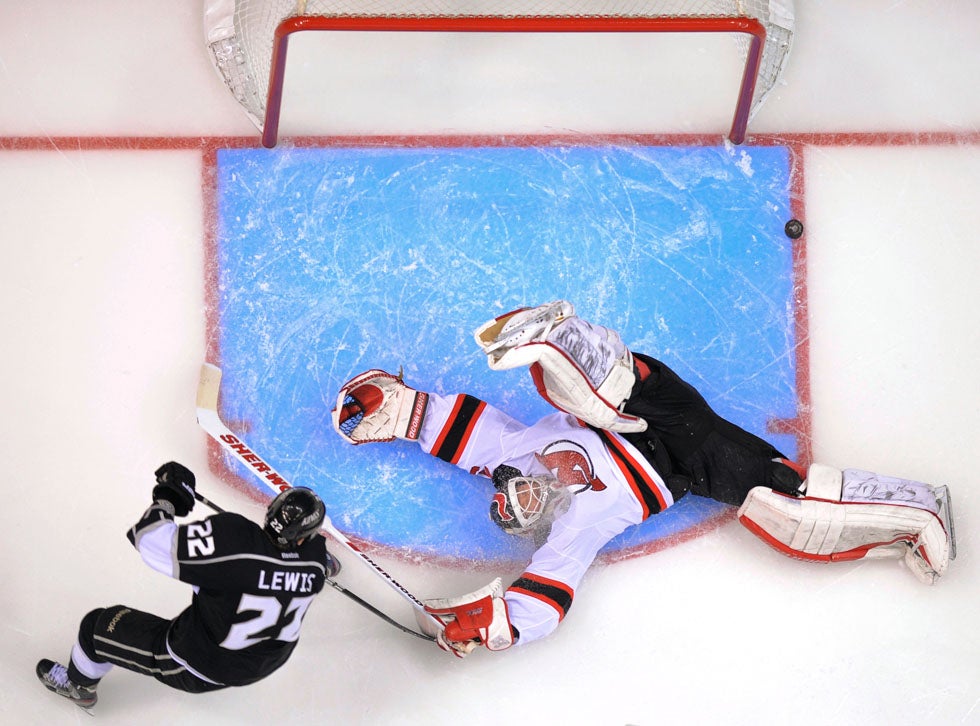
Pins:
x,y
561,421
234,520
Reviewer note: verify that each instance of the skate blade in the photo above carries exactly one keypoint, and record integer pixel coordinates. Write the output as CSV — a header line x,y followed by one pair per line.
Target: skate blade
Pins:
x,y
946,515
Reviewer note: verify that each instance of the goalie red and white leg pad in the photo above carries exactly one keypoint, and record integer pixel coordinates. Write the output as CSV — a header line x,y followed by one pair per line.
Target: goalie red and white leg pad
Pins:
x,y
376,406
579,367
853,514
479,617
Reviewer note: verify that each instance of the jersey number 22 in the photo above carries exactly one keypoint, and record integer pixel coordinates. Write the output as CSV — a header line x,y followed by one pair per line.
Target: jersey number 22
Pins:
x,y
242,635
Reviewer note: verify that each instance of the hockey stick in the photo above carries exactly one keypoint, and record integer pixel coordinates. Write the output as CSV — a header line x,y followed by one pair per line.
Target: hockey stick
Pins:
x,y
207,416
335,585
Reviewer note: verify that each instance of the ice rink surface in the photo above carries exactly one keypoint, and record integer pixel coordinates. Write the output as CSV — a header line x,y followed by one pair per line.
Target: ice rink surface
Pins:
x,y
107,109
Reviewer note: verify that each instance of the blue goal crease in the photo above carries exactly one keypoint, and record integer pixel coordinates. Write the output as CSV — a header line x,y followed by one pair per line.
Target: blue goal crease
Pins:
x,y
335,260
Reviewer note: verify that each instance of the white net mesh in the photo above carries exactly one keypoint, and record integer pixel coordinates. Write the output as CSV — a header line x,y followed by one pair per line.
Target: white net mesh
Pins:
x,y
240,33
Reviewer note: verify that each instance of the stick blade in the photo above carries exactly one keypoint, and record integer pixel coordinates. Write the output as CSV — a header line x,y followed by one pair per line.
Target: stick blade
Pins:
x,y
208,387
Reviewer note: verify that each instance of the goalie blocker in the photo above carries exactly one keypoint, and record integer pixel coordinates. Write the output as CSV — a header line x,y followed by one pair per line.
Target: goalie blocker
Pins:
x,y
855,514
479,618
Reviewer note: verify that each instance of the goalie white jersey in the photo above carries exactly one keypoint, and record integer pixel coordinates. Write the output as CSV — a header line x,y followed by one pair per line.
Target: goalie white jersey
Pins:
x,y
613,487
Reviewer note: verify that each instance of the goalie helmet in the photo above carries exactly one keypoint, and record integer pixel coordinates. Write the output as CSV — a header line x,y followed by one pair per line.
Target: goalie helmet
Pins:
x,y
293,515
521,503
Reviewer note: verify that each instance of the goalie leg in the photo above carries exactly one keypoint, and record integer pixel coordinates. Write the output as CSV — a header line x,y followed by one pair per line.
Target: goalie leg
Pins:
x,y
579,367
853,514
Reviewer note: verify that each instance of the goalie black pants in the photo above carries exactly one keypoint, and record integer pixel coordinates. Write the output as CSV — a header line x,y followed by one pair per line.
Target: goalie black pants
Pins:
x,y
136,641
698,448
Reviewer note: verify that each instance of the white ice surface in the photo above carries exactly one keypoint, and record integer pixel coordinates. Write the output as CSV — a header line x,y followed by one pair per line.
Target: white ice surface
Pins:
x,y
104,299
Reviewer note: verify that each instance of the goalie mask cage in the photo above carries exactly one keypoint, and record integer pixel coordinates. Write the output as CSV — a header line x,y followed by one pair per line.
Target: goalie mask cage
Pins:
x,y
248,39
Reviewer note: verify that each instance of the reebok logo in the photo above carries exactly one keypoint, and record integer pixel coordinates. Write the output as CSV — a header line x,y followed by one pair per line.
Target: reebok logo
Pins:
x,y
116,618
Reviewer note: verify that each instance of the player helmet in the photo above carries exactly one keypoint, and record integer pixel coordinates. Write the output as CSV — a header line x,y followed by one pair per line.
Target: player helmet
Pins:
x,y
521,503
293,515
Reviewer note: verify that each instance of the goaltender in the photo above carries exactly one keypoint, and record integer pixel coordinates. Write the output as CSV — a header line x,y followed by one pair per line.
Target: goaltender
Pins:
x,y
629,439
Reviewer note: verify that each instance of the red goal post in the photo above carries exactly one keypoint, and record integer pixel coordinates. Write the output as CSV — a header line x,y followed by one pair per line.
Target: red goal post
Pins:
x,y
248,39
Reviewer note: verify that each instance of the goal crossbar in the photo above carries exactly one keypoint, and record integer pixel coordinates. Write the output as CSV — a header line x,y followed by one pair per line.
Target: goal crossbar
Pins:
x,y
754,30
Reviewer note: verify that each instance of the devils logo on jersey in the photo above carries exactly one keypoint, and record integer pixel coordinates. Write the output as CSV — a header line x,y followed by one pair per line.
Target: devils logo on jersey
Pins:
x,y
571,465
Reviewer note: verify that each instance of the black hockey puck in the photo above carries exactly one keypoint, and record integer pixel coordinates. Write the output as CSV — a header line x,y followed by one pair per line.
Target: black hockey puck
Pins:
x,y
794,229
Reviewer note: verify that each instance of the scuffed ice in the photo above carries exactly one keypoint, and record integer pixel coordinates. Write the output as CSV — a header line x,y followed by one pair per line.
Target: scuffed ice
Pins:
x,y
337,260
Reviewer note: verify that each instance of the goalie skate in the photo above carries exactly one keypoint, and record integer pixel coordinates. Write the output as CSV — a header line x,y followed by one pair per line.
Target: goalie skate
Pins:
x,y
521,327
946,515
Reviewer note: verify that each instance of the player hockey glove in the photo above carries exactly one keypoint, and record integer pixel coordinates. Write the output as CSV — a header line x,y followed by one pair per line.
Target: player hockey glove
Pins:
x,y
378,407
175,484
333,566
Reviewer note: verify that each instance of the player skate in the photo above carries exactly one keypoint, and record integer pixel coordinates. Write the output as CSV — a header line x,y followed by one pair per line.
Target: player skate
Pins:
x,y
55,678
579,367
855,514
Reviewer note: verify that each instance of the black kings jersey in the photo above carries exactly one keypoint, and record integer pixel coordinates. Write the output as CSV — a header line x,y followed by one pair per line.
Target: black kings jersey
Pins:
x,y
249,601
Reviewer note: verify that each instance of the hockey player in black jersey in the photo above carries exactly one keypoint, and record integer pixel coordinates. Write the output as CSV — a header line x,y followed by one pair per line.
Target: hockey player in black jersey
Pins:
x,y
252,587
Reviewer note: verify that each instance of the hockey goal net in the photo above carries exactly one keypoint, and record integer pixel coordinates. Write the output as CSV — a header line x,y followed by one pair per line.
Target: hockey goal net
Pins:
x,y
248,39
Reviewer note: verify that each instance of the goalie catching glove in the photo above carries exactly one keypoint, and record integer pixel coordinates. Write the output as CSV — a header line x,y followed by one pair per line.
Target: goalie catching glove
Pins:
x,y
479,618
376,406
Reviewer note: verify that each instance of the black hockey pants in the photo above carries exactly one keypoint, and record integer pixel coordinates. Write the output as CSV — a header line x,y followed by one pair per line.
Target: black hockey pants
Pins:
x,y
687,440
136,641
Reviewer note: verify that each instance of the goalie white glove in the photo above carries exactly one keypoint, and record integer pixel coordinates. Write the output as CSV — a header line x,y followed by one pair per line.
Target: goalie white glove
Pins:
x,y
376,406
578,367
853,514
479,618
